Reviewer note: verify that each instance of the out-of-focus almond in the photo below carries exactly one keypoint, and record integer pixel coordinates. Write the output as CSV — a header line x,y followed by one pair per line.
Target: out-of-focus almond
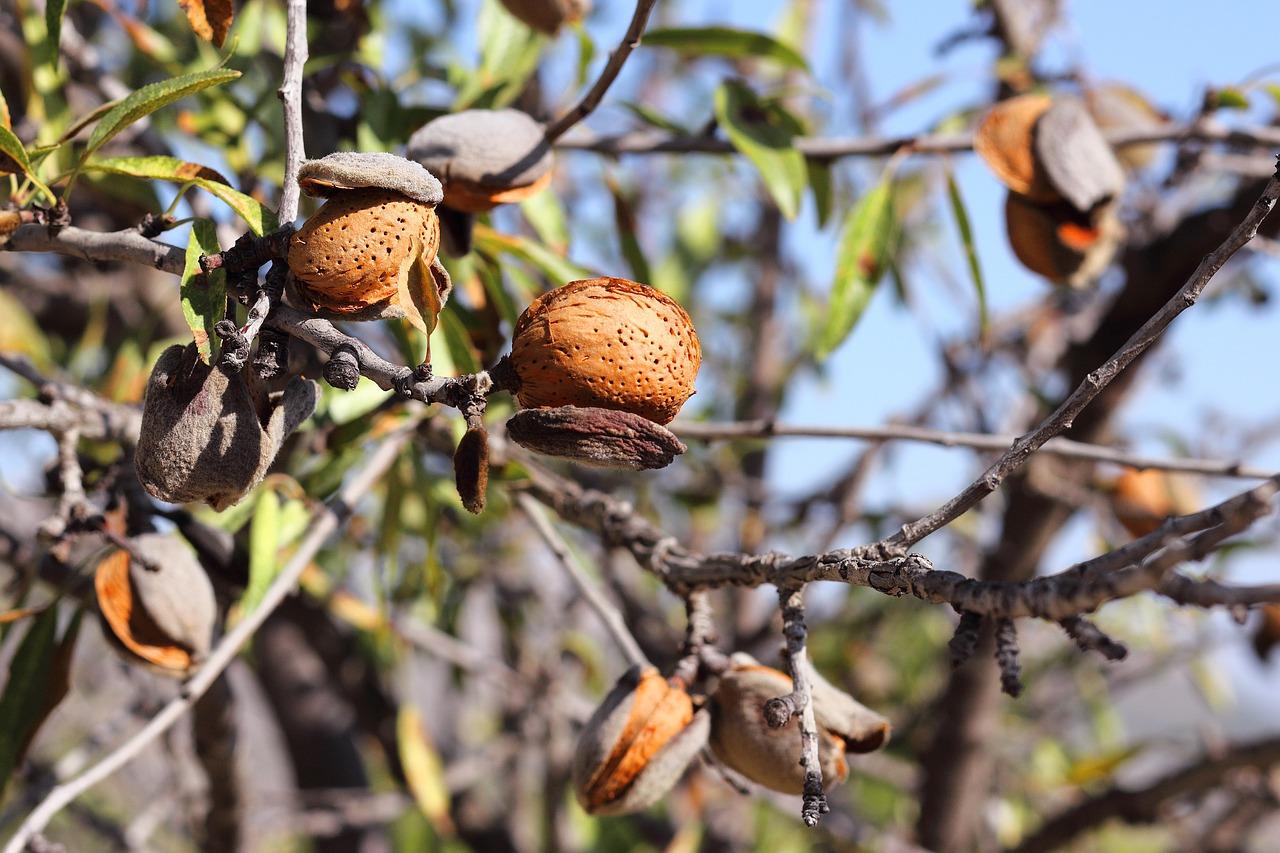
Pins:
x,y
548,16
1005,140
1075,157
637,744
605,438
607,343
1142,500
1064,246
162,612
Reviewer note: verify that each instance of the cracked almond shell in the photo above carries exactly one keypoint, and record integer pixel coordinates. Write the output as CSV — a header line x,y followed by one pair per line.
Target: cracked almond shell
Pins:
x,y
202,439
1060,244
484,158
742,739
637,744
607,343
1005,140
162,613
548,16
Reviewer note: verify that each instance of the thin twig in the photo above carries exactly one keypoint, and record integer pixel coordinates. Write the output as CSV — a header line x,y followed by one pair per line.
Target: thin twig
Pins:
x,y
609,615
1063,447
630,41
1063,417
324,522
827,148
290,94
779,711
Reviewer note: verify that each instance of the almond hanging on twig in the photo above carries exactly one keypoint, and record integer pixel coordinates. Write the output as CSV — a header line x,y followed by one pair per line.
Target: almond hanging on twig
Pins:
x,y
162,612
637,744
370,251
608,343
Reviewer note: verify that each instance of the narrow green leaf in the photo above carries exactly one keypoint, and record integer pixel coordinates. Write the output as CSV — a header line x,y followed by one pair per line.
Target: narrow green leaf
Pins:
x,y
148,99
650,116
458,343
546,214
555,267
727,42
12,148
625,220
821,181
27,692
264,543
204,298
53,12
964,226
861,258
763,130
257,216
1231,98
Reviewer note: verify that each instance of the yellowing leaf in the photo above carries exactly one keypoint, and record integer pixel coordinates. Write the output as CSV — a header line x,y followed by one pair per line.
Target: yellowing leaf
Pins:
x,y
209,19
423,769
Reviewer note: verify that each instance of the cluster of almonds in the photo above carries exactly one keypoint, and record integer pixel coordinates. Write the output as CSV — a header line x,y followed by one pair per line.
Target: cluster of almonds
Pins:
x,y
1064,182
643,736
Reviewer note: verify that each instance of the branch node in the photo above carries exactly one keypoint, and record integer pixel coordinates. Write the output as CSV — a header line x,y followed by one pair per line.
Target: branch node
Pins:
x,y
342,370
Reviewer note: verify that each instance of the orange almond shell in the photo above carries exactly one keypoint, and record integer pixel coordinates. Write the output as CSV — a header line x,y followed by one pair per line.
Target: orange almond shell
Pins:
x,y
129,622
367,249
1005,140
471,197
659,712
609,343
1142,500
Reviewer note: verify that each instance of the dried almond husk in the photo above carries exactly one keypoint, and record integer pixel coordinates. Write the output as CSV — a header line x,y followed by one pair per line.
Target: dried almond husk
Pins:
x,y
1075,157
608,343
1005,140
163,612
604,438
202,437
637,744
1057,242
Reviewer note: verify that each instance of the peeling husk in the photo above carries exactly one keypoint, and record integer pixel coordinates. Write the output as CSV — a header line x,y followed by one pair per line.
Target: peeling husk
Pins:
x,y
370,254
1056,242
603,438
1075,157
202,438
471,469
1142,500
637,744
608,343
1005,140
548,16
742,739
163,613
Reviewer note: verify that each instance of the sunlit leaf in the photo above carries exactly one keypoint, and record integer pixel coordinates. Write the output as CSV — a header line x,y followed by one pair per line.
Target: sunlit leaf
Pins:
x,y
264,546
965,228
15,157
257,216
423,769
863,252
204,297
550,264
648,115
1231,98
53,12
461,352
546,214
150,98
625,223
727,42
764,131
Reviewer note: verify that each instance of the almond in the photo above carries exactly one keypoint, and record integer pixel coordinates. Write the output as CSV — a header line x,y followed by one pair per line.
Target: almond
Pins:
x,y
1142,500
607,343
548,16
1005,140
1054,241
743,740
163,612
637,744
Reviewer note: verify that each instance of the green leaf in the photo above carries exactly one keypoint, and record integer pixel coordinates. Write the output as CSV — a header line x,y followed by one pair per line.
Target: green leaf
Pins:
x,y
552,265
38,677
204,298
625,220
1231,98
53,12
461,353
823,186
264,544
861,257
147,100
727,42
648,115
963,225
546,214
257,216
1273,89
763,130
509,53
13,148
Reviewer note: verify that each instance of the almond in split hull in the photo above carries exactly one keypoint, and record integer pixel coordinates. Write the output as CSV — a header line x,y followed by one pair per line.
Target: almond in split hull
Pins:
x,y
608,343
637,744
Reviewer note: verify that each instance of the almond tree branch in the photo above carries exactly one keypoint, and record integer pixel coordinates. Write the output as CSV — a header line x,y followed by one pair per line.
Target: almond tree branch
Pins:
x,y
630,41
827,148
1062,418
324,523
1063,447
290,93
